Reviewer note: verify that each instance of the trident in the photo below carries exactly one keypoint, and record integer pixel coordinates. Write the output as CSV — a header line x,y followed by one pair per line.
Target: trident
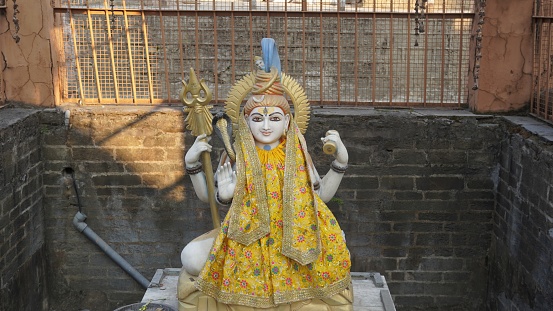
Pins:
x,y
196,97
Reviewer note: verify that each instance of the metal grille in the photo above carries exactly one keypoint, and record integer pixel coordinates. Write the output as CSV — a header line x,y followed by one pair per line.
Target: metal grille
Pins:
x,y
343,53
542,96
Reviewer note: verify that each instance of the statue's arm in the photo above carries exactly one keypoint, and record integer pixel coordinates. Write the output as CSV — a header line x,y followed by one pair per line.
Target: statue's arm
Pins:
x,y
330,182
192,162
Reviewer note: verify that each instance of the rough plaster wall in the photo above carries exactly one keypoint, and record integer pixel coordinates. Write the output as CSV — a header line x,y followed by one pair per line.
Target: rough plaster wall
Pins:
x,y
505,75
25,52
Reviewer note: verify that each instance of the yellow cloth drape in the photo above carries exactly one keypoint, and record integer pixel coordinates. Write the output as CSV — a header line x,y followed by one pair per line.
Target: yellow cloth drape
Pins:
x,y
279,243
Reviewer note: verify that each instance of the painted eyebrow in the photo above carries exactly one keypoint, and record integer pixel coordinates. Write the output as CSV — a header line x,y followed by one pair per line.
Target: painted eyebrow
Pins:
x,y
259,114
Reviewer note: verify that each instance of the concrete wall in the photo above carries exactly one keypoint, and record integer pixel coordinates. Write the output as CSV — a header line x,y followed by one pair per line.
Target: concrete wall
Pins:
x,y
22,244
521,257
416,203
28,63
504,78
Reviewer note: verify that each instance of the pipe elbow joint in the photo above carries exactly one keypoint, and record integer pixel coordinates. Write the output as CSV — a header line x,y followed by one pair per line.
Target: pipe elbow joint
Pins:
x,y
79,221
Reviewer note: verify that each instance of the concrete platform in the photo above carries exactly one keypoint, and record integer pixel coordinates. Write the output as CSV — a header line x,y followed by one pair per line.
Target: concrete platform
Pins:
x,y
370,290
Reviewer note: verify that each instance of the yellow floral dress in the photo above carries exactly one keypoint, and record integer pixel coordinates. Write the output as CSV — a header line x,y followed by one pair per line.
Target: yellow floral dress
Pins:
x,y
258,274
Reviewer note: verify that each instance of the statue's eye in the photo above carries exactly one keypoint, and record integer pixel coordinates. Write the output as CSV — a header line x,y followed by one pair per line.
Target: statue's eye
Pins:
x,y
275,118
257,119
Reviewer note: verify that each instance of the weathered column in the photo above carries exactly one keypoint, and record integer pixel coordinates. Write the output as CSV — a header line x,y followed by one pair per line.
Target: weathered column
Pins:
x,y
503,82
26,61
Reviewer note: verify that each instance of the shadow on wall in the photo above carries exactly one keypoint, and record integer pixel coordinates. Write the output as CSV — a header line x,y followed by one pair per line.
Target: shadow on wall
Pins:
x,y
128,167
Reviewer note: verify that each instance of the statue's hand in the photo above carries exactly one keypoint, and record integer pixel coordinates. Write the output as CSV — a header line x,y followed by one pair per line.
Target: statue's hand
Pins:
x,y
341,153
226,181
192,157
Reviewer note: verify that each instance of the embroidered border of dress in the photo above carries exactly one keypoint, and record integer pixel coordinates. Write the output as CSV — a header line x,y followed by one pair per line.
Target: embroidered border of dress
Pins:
x,y
245,140
268,302
288,250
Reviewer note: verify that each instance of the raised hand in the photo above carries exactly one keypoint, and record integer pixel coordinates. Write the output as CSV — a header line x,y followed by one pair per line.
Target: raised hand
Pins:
x,y
341,153
226,181
200,145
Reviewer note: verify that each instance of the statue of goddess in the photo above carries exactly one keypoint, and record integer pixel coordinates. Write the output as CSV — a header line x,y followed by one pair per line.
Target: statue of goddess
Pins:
x,y
279,244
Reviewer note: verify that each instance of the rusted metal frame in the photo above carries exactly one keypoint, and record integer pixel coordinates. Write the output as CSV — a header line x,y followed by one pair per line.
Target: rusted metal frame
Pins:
x,y
94,58
535,25
538,28
408,60
129,51
111,53
459,77
350,103
232,46
356,58
196,35
147,52
215,52
546,105
181,52
542,43
75,47
250,16
442,72
58,55
321,47
165,63
268,19
303,54
391,47
338,54
425,70
209,13
373,82
285,36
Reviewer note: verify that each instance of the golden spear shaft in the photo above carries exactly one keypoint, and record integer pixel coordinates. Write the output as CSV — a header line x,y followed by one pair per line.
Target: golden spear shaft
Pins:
x,y
199,120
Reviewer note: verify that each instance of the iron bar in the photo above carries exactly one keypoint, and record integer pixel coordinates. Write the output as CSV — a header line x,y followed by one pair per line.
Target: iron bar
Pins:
x,y
408,57
338,48
391,61
94,57
442,69
200,12
76,49
353,59
373,59
165,63
181,52
111,53
147,55
129,50
547,115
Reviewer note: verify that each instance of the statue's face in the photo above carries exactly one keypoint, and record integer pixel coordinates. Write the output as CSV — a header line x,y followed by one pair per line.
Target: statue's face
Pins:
x,y
267,125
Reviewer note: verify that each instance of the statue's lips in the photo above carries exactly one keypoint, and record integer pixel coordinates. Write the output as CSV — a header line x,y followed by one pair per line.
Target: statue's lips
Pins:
x,y
266,133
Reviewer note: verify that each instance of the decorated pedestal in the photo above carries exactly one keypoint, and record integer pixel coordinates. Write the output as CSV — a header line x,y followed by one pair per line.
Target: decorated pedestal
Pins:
x,y
369,289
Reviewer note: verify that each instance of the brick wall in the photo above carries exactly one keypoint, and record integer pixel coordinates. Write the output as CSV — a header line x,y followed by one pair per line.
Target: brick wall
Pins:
x,y
22,245
521,276
128,165
416,203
